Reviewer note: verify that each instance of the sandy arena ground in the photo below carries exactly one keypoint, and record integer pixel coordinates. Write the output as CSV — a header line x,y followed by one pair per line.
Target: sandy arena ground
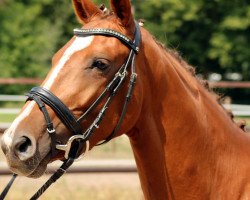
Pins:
x,y
97,186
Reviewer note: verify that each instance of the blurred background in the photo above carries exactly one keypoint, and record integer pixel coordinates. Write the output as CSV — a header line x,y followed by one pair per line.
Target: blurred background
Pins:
x,y
211,35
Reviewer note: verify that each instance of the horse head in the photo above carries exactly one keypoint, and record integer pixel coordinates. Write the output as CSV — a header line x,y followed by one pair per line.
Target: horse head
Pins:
x,y
88,71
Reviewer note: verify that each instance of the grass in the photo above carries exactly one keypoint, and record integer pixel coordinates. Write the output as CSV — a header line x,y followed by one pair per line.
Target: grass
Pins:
x,y
247,119
7,118
12,104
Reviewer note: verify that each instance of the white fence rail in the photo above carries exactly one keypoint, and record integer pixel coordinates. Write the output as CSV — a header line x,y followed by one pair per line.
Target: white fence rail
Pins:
x,y
12,98
238,110
87,166
9,110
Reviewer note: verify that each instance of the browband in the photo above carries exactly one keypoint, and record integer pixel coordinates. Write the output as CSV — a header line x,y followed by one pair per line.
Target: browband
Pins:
x,y
109,32
74,145
41,94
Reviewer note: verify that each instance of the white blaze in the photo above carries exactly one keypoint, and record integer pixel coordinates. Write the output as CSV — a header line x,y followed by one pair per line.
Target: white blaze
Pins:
x,y
78,44
8,135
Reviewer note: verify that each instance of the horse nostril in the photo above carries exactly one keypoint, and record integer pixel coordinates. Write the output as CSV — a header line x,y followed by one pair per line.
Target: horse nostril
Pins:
x,y
24,144
23,148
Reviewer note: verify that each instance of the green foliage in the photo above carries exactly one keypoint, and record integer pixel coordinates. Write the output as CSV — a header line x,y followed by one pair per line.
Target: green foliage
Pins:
x,y
211,34
25,40
30,33
230,42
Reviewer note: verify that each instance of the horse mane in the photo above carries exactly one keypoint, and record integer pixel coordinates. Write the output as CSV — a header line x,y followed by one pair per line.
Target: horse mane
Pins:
x,y
191,70
176,55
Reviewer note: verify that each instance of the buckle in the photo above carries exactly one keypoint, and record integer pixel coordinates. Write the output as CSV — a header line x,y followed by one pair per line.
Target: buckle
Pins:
x,y
52,131
66,147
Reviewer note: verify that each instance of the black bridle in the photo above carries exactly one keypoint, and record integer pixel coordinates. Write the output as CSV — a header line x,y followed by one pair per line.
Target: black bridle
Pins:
x,y
80,139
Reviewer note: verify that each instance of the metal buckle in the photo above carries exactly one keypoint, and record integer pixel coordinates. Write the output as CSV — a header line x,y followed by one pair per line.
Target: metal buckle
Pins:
x,y
51,131
122,77
66,147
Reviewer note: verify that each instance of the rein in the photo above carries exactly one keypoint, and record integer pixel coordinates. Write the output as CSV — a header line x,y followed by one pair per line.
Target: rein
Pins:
x,y
80,139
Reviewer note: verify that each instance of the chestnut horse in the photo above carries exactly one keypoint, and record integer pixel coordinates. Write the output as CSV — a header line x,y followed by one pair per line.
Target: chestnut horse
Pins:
x,y
185,145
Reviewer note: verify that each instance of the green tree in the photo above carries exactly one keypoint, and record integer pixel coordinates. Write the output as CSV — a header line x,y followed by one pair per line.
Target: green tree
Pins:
x,y
30,33
211,34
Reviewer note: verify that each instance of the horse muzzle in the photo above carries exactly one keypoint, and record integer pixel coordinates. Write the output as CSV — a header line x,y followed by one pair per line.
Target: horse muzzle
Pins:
x,y
23,155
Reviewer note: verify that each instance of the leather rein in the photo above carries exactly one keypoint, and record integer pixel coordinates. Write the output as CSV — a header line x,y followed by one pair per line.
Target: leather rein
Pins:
x,y
79,140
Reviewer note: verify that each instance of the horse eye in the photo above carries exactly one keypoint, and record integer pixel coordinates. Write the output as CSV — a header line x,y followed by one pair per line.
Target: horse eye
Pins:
x,y
100,65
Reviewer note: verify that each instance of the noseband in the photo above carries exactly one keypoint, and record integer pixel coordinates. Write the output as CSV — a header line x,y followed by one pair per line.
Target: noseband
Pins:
x,y
80,139
43,97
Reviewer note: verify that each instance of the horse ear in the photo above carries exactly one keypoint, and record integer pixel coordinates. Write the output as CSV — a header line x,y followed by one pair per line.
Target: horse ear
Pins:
x,y
122,9
85,9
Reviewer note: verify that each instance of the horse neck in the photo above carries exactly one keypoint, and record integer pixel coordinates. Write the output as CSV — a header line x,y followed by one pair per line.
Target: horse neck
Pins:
x,y
181,125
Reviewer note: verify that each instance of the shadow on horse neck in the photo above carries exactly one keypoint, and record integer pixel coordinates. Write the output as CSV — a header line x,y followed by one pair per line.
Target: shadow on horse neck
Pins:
x,y
185,144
